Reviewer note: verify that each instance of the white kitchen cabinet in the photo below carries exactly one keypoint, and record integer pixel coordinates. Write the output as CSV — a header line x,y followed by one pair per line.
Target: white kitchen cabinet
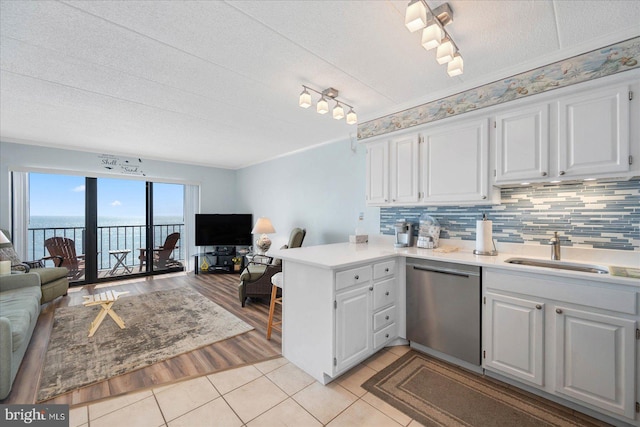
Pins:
x,y
392,171
454,163
595,357
514,338
575,136
336,318
593,132
378,173
353,323
404,169
580,344
522,144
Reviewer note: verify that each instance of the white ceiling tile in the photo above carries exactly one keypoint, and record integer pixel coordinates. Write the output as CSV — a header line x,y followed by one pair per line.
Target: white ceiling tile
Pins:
x,y
167,79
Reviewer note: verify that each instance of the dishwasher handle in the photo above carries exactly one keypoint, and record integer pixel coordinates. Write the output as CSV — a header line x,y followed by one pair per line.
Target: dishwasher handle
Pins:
x,y
435,270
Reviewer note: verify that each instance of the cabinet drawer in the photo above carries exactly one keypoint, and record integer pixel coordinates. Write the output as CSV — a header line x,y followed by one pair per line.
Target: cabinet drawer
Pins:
x,y
384,269
384,336
355,276
384,318
384,293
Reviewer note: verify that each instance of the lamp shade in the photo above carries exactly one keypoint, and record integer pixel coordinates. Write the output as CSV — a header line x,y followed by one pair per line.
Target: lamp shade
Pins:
x,y
456,66
352,117
305,99
338,112
3,238
432,35
323,106
263,226
416,16
445,52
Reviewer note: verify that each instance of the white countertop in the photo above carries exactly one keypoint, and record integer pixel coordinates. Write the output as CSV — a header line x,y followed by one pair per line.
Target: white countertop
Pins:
x,y
345,255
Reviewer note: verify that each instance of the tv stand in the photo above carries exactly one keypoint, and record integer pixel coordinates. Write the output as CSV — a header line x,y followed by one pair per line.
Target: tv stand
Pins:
x,y
219,260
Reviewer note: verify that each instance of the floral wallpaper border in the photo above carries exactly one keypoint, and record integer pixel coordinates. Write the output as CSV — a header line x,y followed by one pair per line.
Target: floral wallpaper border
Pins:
x,y
602,62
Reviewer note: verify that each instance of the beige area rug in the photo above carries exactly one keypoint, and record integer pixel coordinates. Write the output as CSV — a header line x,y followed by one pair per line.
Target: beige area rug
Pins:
x,y
436,393
159,325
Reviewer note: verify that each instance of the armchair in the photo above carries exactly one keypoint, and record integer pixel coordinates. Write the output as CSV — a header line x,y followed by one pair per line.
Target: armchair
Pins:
x,y
53,280
255,280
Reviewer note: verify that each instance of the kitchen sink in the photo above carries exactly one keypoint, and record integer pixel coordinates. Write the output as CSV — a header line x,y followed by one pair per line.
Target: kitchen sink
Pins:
x,y
562,265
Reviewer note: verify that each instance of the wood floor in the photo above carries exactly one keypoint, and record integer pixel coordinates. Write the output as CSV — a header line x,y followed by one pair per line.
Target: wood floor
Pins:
x,y
243,349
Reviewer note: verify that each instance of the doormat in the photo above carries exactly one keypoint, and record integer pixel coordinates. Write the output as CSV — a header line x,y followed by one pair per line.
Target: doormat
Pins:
x,y
436,393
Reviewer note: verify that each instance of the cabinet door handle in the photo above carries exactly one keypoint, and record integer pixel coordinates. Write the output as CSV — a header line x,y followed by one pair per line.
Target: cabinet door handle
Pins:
x,y
386,335
387,293
484,197
558,310
561,173
371,288
544,174
386,270
356,277
538,306
386,317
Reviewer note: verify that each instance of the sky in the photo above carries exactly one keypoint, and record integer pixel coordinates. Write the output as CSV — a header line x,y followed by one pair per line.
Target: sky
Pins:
x,y
63,195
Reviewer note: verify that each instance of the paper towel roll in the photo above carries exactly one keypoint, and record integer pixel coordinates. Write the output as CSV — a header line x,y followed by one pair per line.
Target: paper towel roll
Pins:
x,y
484,236
5,267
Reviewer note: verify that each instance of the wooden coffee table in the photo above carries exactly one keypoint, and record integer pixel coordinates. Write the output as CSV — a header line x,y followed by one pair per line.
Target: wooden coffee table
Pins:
x,y
106,301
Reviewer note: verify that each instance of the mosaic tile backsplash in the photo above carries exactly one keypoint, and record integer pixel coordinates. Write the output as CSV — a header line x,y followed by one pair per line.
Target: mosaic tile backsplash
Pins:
x,y
602,215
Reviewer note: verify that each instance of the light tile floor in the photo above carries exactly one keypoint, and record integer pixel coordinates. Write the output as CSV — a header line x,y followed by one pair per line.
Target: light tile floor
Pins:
x,y
271,393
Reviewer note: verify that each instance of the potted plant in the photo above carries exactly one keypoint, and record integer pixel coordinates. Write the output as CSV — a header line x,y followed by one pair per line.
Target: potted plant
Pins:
x,y
237,262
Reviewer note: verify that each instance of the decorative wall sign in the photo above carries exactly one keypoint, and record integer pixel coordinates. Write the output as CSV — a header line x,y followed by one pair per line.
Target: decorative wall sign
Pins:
x,y
603,62
126,166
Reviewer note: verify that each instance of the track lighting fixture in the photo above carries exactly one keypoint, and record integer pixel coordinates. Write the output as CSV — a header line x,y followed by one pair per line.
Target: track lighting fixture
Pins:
x,y
432,22
322,106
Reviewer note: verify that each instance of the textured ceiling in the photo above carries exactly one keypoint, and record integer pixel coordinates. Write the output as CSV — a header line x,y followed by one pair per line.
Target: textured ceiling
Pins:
x,y
217,83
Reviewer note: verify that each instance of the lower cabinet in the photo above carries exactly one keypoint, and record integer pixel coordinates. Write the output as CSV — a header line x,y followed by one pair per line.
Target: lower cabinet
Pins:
x,y
365,314
595,358
572,338
353,321
514,339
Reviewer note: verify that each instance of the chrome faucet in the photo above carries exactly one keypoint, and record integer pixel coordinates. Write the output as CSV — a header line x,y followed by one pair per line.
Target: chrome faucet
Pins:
x,y
555,246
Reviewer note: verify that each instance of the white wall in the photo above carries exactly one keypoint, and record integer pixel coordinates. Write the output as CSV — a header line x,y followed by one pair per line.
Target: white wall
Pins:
x,y
321,189
217,185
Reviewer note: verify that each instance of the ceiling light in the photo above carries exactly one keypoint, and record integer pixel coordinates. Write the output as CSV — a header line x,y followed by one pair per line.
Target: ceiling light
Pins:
x,y
305,98
419,15
445,52
338,112
322,106
432,35
455,67
415,17
352,118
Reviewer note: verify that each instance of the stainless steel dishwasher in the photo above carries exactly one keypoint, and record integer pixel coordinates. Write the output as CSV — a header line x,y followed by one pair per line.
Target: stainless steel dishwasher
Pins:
x,y
443,307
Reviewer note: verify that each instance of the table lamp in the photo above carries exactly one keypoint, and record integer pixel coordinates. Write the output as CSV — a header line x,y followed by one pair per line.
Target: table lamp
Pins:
x,y
263,226
5,266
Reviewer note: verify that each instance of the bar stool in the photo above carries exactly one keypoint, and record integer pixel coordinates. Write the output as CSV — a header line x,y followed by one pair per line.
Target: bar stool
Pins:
x,y
276,282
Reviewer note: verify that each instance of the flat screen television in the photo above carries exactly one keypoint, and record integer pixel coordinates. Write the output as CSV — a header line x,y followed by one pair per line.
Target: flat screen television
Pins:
x,y
223,229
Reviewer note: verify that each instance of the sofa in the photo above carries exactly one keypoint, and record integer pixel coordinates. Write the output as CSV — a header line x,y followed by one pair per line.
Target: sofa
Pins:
x,y
20,295
54,280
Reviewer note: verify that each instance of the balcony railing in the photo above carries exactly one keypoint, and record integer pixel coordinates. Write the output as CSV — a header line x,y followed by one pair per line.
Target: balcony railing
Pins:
x,y
110,238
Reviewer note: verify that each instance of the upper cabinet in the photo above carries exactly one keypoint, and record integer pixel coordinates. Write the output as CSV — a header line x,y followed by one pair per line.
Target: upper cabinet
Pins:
x,y
577,136
378,173
392,171
455,163
522,144
593,133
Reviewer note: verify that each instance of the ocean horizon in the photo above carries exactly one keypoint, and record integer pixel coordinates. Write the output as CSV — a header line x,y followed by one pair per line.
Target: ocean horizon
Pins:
x,y
114,233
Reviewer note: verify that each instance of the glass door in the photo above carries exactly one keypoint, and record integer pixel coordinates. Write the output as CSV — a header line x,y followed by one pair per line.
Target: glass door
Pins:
x,y
121,234
56,228
168,227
